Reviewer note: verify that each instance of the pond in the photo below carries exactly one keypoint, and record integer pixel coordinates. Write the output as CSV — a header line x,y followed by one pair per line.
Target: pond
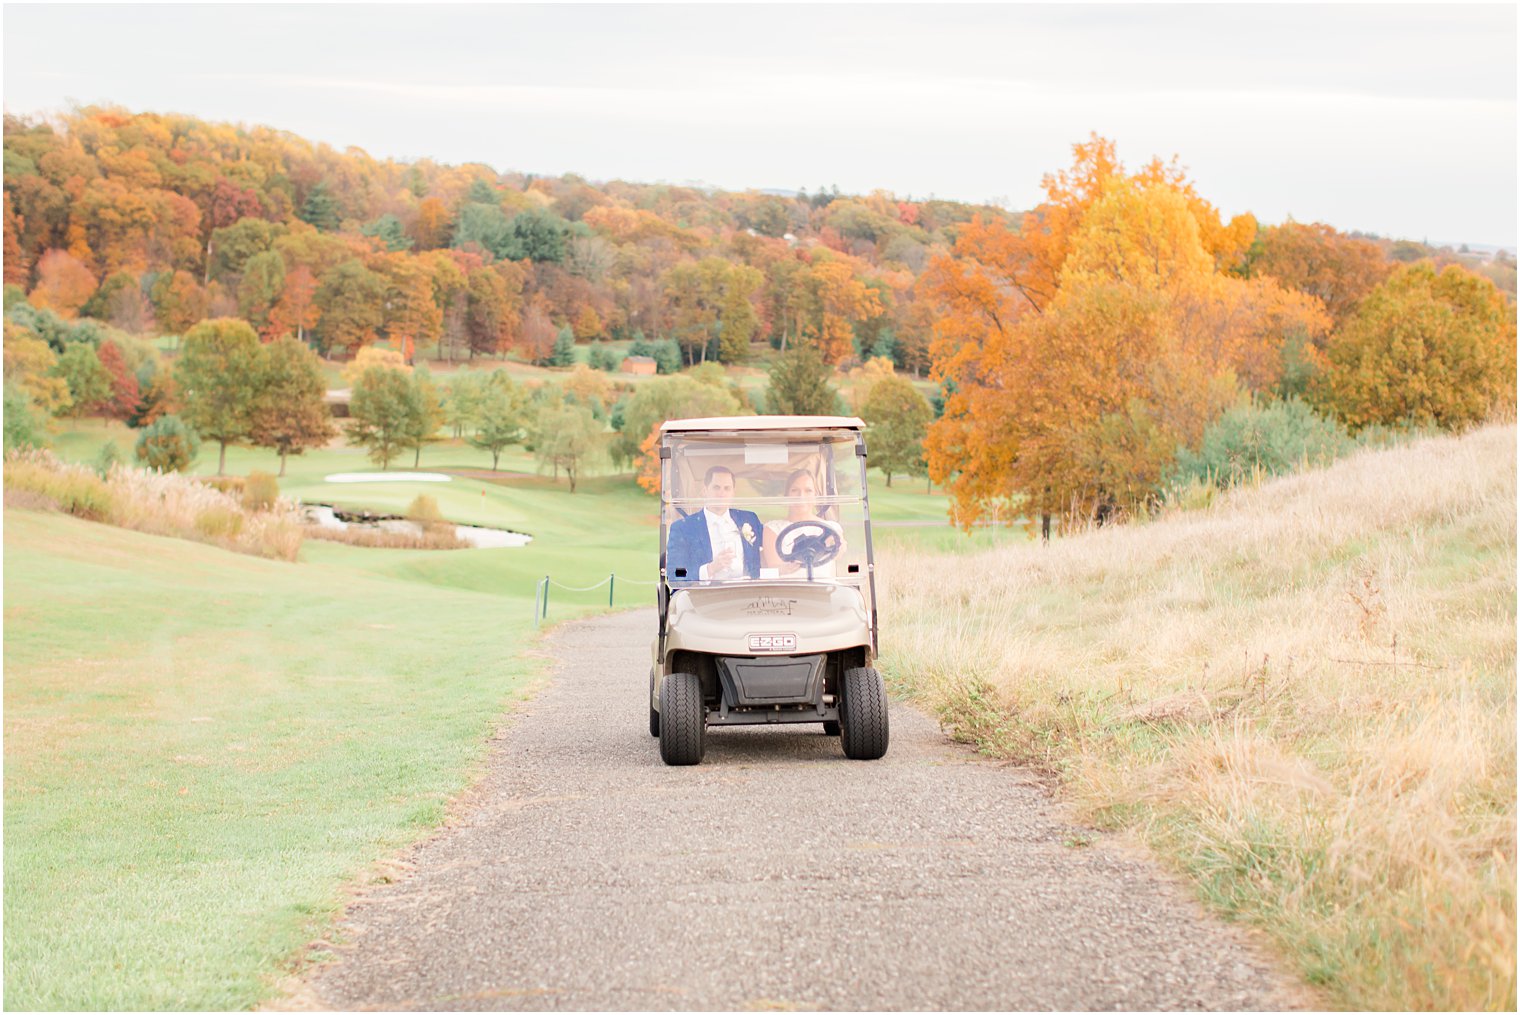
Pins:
x,y
478,536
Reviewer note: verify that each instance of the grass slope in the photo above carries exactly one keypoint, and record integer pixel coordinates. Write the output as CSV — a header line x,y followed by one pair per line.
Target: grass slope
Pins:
x,y
1304,697
201,748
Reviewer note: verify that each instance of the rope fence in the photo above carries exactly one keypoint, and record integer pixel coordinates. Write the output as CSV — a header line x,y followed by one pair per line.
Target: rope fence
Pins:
x,y
541,592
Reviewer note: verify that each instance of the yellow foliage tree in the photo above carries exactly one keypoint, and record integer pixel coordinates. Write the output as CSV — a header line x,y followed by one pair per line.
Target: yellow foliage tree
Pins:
x,y
1424,347
370,356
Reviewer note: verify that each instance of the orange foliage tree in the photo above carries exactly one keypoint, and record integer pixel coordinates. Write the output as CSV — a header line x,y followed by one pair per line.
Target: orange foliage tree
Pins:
x,y
1317,260
63,283
296,311
836,301
1083,351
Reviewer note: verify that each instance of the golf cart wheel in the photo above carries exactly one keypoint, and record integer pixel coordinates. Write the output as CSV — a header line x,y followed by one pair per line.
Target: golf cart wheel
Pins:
x,y
831,727
683,720
654,714
863,714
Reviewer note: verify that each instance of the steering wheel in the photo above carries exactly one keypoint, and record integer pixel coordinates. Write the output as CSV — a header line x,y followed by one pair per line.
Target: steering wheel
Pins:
x,y
815,543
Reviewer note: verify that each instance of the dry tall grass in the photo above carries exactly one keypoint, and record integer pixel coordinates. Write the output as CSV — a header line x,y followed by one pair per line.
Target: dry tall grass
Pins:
x,y
164,504
1304,696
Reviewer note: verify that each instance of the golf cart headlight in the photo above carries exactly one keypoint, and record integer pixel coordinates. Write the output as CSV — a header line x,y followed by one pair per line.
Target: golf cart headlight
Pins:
x,y
773,643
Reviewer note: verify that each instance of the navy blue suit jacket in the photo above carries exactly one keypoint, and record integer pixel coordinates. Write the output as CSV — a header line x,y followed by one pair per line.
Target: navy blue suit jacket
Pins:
x,y
688,545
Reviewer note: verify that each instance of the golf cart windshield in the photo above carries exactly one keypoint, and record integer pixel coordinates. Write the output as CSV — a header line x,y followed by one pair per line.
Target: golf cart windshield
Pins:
x,y
777,506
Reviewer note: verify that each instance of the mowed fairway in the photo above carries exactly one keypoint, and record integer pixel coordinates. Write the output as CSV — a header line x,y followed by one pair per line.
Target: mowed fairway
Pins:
x,y
202,748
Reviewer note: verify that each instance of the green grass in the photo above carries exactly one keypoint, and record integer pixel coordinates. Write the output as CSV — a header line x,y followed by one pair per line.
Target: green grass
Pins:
x,y
203,749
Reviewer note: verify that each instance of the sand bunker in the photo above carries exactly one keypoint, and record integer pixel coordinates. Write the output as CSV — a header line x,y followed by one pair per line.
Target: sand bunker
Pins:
x,y
388,477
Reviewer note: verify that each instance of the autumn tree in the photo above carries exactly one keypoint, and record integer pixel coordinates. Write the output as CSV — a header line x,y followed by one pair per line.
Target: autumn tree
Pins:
x,y
1082,352
179,302
492,316
538,333
897,417
350,301
219,374
412,317
123,396
587,324
433,224
836,300
1424,347
290,411
259,289
709,301
30,365
295,312
1314,258
64,285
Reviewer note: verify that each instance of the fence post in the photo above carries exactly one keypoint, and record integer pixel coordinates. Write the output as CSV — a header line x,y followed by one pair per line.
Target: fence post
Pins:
x,y
546,597
611,586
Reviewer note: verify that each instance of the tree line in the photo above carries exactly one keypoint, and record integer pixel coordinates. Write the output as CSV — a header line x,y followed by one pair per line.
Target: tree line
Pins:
x,y
159,222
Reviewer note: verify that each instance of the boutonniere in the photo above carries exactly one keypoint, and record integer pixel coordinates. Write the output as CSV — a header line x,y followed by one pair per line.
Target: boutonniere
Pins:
x,y
749,533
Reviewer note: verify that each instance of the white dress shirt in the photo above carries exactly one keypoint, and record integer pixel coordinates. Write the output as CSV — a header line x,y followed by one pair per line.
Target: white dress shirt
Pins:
x,y
723,533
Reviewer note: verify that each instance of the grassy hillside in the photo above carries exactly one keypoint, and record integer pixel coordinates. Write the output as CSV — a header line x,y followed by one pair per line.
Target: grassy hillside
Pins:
x,y
202,747
1304,697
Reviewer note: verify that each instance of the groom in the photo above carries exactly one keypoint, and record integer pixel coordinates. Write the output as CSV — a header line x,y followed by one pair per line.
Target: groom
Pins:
x,y
716,542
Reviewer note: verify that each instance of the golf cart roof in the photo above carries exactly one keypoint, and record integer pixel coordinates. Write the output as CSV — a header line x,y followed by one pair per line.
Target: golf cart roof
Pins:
x,y
750,423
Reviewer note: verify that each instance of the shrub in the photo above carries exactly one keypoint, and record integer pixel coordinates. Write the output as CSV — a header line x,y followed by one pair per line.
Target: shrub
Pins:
x,y
74,489
260,491
167,444
600,358
108,458
1262,439
160,503
424,509
219,522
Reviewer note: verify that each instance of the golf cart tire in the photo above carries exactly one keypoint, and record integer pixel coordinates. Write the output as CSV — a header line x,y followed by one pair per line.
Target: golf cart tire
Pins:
x,y
831,727
654,714
683,720
863,714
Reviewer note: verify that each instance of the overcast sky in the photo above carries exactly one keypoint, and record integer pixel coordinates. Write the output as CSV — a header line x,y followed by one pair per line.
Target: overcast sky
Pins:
x,y
1398,120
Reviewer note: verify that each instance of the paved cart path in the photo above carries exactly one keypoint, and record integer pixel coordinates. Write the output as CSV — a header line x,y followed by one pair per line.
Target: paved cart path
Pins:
x,y
584,874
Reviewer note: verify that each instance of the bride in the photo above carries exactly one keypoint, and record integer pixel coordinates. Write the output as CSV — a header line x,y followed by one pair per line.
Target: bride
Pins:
x,y
802,491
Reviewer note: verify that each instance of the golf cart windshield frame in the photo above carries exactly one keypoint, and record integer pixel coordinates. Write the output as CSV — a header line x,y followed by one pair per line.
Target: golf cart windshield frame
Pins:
x,y
766,455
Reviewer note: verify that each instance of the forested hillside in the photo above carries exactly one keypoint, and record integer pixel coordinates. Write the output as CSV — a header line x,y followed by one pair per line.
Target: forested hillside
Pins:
x,y
147,219
1087,351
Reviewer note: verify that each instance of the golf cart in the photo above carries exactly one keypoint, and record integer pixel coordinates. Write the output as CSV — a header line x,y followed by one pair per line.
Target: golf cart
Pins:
x,y
767,593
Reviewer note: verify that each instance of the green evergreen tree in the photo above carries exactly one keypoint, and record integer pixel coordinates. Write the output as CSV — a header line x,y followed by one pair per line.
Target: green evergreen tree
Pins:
x,y
321,209
387,228
799,384
167,444
564,348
